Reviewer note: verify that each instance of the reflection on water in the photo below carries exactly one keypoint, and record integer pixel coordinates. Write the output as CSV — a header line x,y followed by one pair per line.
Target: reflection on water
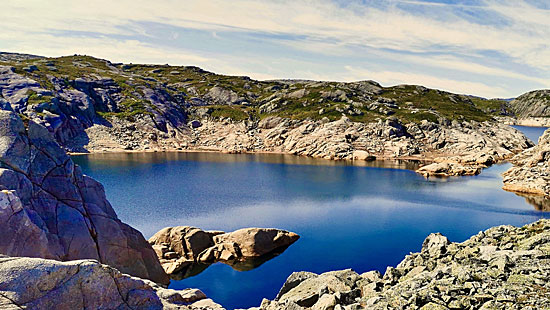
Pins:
x,y
245,264
134,159
348,216
540,203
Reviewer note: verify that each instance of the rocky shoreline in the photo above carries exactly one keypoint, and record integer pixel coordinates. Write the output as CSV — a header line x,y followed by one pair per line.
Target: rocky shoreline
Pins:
x,y
468,145
504,267
62,242
531,172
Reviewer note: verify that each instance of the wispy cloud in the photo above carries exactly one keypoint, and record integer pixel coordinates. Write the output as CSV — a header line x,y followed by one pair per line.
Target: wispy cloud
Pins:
x,y
484,47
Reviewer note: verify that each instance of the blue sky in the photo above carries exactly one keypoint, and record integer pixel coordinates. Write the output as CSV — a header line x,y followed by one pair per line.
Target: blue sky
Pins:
x,y
488,48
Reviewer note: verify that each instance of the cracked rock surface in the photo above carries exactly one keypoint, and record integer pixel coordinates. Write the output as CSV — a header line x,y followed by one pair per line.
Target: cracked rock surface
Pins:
x,y
34,283
49,209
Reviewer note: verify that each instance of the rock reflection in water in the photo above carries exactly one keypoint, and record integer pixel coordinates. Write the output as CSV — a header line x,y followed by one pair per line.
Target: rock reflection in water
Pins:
x,y
135,159
186,251
247,264
540,203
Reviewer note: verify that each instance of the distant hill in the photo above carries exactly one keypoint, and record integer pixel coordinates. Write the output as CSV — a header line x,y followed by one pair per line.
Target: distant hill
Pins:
x,y
168,93
532,104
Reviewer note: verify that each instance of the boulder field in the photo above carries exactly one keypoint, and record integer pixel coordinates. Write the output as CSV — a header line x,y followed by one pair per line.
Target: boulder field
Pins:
x,y
504,267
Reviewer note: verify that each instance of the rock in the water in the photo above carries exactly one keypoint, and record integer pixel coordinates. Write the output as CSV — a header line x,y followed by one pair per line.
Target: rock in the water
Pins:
x,y
35,283
447,170
256,242
183,248
49,209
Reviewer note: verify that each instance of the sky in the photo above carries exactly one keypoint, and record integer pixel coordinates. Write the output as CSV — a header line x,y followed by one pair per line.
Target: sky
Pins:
x,y
489,48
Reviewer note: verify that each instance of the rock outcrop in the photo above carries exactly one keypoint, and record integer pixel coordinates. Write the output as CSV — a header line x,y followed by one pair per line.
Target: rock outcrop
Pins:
x,y
185,251
35,283
93,105
504,267
471,164
532,104
448,170
531,171
49,209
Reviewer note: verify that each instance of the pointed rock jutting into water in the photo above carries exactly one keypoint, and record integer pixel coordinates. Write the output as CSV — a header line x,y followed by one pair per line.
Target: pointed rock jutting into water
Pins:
x,y
185,251
531,171
49,209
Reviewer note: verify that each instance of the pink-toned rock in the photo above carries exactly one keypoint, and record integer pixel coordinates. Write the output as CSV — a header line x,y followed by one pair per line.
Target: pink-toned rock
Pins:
x,y
255,242
50,209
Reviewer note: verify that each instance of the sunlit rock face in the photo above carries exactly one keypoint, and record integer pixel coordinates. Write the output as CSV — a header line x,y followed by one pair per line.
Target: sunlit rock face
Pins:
x,y
185,251
531,171
49,209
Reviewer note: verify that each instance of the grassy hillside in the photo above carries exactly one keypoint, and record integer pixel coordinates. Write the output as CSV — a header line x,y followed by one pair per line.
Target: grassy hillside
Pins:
x,y
198,92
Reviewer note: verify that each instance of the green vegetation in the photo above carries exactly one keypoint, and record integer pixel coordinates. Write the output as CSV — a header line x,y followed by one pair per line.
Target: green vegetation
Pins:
x,y
236,113
296,100
35,99
447,105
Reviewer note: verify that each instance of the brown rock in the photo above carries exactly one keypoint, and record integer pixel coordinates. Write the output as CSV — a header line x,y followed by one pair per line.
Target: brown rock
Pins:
x,y
255,242
185,250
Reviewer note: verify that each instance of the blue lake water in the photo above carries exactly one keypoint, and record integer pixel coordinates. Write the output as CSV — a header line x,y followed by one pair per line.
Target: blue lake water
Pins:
x,y
361,217
532,133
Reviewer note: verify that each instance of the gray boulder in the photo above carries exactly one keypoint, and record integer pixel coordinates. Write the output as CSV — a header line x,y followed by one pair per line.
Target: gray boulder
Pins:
x,y
34,283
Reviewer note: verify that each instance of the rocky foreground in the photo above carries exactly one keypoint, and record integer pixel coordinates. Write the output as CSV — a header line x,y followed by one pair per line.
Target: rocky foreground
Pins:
x,y
504,267
35,283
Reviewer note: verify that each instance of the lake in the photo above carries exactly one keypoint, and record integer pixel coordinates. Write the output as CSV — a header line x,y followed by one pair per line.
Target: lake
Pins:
x,y
348,216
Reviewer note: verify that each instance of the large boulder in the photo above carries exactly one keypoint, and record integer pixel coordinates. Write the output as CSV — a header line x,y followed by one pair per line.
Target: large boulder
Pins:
x,y
35,283
50,209
185,251
256,242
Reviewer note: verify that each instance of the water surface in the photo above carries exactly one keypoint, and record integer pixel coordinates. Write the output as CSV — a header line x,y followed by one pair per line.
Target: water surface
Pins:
x,y
361,217
532,133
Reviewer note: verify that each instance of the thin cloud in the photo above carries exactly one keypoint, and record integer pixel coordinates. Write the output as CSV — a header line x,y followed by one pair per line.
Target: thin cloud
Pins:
x,y
506,40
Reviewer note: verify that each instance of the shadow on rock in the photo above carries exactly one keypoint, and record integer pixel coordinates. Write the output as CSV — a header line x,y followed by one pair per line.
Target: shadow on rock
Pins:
x,y
187,251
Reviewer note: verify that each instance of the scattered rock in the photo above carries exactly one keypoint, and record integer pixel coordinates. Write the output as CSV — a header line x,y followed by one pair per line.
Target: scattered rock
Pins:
x,y
503,267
